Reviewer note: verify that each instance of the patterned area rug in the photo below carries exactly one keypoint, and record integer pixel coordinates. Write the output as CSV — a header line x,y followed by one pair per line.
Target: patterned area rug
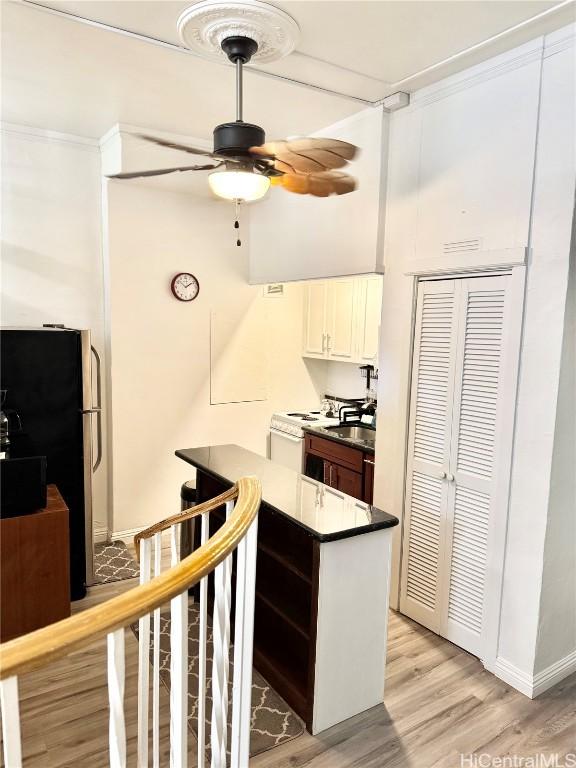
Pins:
x,y
273,722
113,562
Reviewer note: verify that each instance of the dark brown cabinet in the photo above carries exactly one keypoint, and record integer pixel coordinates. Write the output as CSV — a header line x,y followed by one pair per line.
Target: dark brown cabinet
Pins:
x,y
286,600
343,479
34,568
345,468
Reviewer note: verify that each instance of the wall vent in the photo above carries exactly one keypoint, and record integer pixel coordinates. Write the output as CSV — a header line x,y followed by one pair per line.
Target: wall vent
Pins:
x,y
458,246
273,290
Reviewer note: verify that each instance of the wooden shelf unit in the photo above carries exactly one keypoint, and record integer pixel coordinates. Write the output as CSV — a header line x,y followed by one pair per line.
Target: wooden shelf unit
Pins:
x,y
286,600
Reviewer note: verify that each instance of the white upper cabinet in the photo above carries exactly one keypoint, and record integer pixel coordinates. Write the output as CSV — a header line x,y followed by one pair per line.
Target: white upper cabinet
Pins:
x,y
315,301
299,237
369,310
342,319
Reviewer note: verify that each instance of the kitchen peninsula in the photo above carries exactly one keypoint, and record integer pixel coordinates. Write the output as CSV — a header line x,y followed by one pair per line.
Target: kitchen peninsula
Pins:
x,y
322,584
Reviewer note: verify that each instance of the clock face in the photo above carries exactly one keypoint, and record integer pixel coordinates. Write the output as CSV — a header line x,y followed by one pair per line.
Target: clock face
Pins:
x,y
184,286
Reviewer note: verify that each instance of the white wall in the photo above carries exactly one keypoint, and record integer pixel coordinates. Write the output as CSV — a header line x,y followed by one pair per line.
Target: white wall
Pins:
x,y
557,627
344,380
51,244
537,405
160,353
547,268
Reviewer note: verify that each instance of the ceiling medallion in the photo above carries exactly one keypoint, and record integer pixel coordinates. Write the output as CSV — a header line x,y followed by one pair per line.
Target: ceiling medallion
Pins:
x,y
203,26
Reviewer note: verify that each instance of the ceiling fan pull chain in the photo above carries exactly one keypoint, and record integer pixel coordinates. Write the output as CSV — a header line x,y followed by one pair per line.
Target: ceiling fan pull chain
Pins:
x,y
237,221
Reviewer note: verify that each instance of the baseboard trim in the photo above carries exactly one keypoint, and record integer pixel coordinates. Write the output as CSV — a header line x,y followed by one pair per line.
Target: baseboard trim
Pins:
x,y
514,676
553,674
100,535
127,534
534,685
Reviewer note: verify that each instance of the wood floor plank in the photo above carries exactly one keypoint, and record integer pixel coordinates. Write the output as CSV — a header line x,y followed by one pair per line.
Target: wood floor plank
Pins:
x,y
439,703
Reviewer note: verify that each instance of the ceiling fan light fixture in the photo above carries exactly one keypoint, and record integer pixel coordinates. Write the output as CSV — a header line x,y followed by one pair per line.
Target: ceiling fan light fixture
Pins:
x,y
244,186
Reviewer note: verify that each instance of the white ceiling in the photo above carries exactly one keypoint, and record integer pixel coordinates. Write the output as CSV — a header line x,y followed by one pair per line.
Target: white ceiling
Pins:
x,y
83,78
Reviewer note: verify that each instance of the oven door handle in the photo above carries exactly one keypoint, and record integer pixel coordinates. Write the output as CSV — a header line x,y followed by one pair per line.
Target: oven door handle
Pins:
x,y
279,432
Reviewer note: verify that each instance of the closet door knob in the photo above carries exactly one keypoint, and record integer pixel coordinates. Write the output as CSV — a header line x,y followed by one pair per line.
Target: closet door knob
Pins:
x,y
450,478
442,475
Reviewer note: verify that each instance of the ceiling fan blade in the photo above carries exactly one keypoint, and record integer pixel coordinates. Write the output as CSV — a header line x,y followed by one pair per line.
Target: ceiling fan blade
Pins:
x,y
337,147
318,184
164,171
295,182
307,155
174,145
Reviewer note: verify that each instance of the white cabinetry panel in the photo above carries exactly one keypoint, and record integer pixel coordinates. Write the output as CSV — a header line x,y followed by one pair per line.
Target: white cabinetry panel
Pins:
x,y
341,320
368,319
315,301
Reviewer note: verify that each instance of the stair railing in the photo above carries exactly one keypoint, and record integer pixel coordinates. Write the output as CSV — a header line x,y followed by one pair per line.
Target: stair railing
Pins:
x,y
37,649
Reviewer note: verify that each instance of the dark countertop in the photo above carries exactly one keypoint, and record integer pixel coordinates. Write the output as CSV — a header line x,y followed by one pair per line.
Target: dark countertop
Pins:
x,y
325,513
364,445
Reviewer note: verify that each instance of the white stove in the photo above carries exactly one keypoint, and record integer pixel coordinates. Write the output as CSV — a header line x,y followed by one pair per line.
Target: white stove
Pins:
x,y
293,421
287,435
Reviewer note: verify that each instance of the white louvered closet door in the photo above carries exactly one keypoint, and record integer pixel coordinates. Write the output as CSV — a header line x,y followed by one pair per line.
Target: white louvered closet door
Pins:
x,y
432,397
478,401
457,405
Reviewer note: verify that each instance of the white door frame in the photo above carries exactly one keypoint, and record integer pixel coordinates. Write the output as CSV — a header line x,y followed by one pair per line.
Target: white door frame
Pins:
x,y
503,450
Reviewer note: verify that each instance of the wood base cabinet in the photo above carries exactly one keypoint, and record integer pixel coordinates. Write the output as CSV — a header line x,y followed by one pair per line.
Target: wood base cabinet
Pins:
x,y
343,467
35,568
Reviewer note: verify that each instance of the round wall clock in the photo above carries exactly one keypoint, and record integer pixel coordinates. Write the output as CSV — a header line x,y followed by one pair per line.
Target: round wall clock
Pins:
x,y
184,286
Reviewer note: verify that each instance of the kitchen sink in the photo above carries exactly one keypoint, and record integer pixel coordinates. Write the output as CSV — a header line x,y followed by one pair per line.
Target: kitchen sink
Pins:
x,y
354,433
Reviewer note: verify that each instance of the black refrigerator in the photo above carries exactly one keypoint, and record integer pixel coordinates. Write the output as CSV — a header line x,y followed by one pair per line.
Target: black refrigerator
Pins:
x,y
51,382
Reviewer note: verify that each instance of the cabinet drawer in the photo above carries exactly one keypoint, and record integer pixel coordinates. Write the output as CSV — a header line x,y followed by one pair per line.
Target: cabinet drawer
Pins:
x,y
335,452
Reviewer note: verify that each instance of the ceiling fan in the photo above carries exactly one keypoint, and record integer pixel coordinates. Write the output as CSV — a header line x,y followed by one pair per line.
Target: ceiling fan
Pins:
x,y
244,165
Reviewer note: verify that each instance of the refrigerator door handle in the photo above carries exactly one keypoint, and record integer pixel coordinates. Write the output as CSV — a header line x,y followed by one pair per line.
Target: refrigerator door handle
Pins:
x,y
97,409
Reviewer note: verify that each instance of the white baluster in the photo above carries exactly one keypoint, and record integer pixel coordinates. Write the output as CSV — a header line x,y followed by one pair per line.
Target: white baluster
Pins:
x,y
174,534
156,661
202,636
243,644
178,671
221,660
143,662
117,731
11,723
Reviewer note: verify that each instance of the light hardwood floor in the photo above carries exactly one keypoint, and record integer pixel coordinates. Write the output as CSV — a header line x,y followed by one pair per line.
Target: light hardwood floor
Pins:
x,y
439,704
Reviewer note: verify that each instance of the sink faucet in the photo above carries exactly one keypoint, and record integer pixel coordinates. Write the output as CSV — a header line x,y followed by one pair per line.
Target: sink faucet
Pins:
x,y
348,410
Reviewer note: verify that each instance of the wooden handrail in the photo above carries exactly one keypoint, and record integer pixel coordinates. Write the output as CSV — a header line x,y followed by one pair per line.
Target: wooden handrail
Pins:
x,y
48,644
187,514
